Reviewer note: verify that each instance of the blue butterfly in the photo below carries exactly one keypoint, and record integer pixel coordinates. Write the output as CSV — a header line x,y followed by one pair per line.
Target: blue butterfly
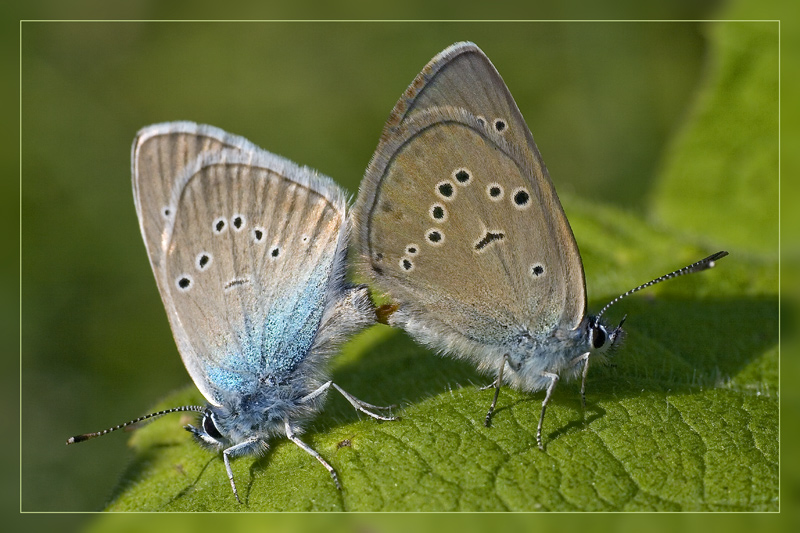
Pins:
x,y
248,251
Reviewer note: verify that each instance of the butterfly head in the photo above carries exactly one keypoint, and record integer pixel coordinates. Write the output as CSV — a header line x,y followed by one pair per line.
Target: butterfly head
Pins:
x,y
209,434
604,339
256,417
218,431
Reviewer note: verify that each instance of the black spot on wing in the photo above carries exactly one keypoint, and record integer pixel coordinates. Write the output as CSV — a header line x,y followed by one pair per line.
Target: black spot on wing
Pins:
x,y
236,283
489,238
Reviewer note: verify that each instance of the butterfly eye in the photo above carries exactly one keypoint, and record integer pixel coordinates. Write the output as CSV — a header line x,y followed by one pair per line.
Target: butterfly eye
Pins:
x,y
210,428
599,337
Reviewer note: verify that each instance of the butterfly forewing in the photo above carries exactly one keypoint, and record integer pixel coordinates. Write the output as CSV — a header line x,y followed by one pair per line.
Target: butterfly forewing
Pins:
x,y
462,76
247,266
458,113
160,154
452,226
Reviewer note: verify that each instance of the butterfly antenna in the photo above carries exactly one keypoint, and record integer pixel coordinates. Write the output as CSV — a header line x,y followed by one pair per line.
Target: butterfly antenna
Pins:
x,y
87,436
701,265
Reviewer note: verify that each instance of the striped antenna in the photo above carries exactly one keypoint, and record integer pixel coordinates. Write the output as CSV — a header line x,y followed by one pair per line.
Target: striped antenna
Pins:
x,y
704,264
87,436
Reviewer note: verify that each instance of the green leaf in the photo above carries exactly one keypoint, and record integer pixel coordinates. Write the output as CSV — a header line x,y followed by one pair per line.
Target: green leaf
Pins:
x,y
729,149
686,418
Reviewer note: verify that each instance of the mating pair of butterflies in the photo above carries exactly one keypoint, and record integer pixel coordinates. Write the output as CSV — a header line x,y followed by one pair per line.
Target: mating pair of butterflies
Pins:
x,y
457,221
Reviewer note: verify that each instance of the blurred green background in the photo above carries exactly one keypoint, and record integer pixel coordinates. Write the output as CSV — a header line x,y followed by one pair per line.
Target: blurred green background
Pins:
x,y
603,100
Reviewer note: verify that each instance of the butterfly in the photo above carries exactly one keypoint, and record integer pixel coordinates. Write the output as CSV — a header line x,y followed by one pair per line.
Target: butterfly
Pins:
x,y
458,222
248,251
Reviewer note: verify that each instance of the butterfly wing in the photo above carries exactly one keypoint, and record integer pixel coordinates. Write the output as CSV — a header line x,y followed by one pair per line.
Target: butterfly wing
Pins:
x,y
247,263
457,217
159,155
461,76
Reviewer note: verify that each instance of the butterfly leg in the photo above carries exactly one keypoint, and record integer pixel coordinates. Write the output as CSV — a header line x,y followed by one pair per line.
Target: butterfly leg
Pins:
x,y
497,383
553,381
235,450
312,452
362,406
585,359
307,398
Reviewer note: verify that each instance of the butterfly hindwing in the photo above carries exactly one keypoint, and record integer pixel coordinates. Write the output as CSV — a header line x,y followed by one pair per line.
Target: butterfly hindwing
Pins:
x,y
247,267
